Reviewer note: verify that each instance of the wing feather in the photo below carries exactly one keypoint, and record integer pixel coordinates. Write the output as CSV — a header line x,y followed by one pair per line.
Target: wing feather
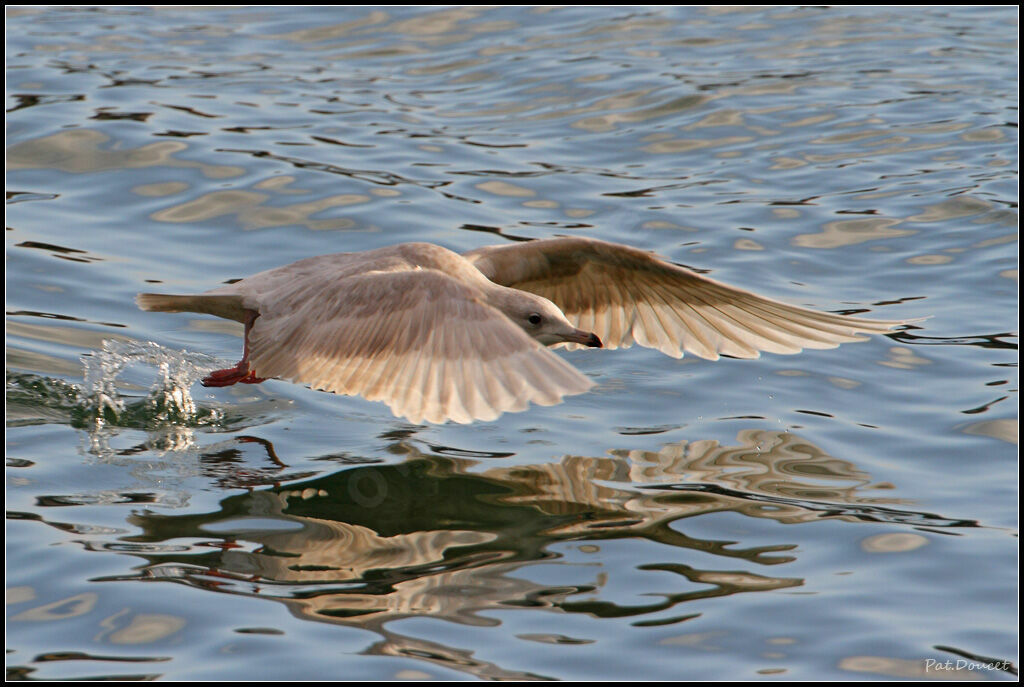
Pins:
x,y
626,295
425,343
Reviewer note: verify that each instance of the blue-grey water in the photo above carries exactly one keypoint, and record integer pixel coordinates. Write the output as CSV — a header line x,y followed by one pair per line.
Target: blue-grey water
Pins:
x,y
842,514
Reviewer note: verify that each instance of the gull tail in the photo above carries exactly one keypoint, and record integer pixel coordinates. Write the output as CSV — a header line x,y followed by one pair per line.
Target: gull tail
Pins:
x,y
227,306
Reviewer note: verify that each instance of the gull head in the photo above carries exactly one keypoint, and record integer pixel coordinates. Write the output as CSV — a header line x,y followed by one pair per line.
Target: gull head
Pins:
x,y
541,319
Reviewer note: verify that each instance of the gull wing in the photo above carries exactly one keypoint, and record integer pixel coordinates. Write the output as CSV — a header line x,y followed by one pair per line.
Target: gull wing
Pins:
x,y
627,295
423,342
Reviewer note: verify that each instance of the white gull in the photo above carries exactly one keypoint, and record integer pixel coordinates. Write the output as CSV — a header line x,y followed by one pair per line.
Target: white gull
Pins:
x,y
441,336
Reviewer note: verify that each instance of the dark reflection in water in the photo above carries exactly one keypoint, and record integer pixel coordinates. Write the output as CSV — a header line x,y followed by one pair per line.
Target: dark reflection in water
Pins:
x,y
24,673
60,250
434,535
981,340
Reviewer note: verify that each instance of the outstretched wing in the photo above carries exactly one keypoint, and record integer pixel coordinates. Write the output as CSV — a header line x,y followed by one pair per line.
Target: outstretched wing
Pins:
x,y
421,341
627,295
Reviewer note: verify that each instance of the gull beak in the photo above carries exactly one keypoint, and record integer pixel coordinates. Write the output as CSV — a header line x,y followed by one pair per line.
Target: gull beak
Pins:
x,y
585,338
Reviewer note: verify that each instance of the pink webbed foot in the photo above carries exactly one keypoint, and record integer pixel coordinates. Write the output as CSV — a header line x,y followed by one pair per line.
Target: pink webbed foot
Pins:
x,y
239,374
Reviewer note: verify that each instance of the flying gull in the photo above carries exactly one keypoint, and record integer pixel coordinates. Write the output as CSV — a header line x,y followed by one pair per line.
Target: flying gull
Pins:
x,y
441,336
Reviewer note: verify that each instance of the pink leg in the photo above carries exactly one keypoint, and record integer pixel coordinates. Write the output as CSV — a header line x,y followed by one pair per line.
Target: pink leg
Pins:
x,y
240,373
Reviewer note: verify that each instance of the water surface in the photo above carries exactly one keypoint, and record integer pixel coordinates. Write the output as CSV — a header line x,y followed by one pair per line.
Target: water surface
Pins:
x,y
836,515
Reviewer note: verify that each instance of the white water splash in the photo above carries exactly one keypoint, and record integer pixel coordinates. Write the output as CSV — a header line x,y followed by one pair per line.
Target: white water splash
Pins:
x,y
169,401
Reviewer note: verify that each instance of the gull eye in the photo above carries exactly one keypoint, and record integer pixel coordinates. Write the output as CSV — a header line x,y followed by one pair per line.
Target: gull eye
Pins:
x,y
533,318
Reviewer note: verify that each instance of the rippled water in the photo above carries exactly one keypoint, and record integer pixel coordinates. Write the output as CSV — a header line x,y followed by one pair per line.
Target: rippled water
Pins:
x,y
841,514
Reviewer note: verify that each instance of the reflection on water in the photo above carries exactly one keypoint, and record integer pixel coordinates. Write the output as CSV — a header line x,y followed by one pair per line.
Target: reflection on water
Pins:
x,y
83,150
435,535
439,534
